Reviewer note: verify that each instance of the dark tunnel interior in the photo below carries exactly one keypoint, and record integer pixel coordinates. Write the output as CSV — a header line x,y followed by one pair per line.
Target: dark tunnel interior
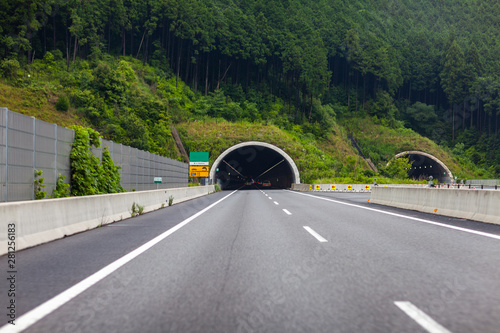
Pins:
x,y
423,167
253,167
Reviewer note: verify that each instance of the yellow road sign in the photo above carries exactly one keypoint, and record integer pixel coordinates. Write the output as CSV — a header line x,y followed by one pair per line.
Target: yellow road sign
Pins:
x,y
198,174
199,169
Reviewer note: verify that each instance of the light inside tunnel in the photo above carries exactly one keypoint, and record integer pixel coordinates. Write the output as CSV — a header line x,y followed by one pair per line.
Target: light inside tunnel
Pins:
x,y
254,166
422,167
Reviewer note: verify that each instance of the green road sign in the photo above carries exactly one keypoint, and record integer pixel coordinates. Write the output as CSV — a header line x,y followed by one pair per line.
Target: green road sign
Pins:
x,y
198,156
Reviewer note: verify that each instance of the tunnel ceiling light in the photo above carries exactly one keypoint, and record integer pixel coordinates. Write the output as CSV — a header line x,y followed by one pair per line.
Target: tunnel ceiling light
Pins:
x,y
232,168
271,168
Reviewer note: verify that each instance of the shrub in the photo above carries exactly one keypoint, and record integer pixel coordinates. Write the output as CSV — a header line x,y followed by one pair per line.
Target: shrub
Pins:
x,y
109,83
39,185
82,98
9,67
62,104
398,168
62,189
88,175
136,210
109,180
84,165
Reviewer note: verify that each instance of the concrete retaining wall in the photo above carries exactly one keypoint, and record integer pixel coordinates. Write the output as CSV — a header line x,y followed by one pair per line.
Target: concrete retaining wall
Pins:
x,y
477,205
41,221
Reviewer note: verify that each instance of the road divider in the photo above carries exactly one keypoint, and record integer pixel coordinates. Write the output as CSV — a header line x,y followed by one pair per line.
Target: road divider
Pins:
x,y
346,187
332,187
476,205
42,221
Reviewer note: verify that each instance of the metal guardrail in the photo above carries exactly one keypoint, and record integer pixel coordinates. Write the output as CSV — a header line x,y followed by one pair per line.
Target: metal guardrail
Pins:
x,y
470,186
485,182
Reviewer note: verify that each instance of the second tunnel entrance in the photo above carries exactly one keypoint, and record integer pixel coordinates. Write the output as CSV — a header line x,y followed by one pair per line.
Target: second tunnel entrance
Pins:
x,y
424,165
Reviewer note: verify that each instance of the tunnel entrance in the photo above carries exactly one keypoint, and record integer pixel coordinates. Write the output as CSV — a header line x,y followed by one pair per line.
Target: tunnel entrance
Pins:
x,y
253,164
425,165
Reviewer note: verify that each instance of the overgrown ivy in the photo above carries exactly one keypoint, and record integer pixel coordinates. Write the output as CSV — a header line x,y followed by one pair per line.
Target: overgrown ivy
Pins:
x,y
39,185
90,176
62,189
109,175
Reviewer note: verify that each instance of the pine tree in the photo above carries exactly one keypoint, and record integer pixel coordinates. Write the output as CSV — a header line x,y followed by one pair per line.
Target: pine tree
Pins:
x,y
452,79
473,69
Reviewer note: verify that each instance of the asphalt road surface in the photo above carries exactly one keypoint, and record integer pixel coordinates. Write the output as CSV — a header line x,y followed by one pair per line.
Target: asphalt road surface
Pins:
x,y
263,261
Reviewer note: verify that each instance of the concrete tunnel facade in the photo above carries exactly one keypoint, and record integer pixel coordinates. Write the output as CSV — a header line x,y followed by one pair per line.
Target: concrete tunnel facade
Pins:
x,y
425,165
254,161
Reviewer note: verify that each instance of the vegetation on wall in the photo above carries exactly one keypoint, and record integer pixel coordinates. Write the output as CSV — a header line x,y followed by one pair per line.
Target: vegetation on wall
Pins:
x,y
62,189
39,185
90,176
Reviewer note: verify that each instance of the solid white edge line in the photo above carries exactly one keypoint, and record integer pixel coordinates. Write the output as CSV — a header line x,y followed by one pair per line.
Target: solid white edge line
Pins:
x,y
421,317
480,233
286,211
315,234
32,316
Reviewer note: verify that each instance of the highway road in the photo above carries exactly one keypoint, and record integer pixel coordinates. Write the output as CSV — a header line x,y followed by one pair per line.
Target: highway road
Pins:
x,y
264,261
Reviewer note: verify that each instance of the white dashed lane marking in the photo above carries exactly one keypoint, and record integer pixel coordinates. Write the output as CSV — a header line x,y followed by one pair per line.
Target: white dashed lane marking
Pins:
x,y
315,234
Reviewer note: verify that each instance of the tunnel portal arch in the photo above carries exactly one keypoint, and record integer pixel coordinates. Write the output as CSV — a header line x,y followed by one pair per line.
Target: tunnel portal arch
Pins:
x,y
253,152
426,164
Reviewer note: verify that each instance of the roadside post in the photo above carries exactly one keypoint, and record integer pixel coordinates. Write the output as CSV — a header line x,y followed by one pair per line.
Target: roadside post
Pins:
x,y
157,180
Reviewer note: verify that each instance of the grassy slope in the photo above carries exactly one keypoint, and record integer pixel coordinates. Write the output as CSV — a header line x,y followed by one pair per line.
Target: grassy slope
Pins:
x,y
381,143
38,103
312,159
330,160
318,161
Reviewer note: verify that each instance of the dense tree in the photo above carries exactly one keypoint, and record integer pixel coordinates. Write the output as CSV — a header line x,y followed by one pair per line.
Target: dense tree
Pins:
x,y
307,54
452,79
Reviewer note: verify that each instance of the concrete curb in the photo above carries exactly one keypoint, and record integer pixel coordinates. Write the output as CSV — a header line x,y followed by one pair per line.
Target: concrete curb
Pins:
x,y
40,221
476,205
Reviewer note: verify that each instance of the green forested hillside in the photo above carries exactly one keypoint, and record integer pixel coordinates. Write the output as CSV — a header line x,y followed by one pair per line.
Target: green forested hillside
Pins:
x,y
132,68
